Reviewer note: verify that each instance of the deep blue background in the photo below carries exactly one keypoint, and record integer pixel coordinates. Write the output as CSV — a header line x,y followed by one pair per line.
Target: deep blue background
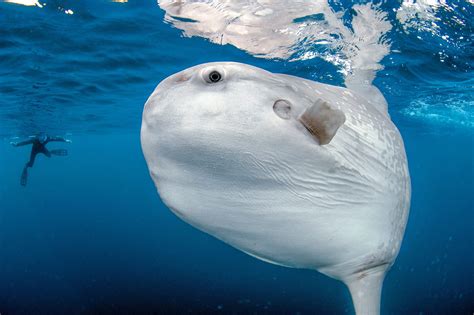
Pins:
x,y
89,233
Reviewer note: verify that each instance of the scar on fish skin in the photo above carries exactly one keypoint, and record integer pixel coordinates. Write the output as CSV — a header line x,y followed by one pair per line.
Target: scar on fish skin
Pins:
x,y
365,271
182,78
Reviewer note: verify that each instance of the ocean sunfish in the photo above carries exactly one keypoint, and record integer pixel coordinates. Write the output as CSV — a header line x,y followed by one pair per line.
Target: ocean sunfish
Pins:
x,y
290,171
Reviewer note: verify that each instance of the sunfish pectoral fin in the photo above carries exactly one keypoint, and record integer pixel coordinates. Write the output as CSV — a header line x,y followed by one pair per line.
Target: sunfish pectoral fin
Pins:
x,y
322,121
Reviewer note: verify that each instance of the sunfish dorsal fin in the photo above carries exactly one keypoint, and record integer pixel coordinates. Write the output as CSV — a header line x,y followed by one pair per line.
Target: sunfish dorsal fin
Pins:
x,y
322,121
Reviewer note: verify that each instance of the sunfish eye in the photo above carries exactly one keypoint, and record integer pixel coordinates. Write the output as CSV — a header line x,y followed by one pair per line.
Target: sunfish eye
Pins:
x,y
215,76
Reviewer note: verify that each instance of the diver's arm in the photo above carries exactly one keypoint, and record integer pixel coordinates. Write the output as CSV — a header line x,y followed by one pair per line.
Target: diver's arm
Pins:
x,y
22,143
58,139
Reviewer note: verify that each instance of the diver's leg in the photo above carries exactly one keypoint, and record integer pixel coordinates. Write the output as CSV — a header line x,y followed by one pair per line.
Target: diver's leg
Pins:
x,y
60,152
31,162
46,152
24,175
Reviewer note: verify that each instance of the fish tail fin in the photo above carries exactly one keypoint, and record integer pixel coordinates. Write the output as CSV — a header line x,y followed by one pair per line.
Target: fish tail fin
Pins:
x,y
366,288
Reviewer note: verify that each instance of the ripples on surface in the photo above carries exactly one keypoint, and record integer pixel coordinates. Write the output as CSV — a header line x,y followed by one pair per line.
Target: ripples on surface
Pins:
x,y
89,66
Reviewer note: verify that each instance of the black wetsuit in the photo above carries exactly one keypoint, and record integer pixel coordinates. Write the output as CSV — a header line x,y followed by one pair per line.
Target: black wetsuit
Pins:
x,y
39,146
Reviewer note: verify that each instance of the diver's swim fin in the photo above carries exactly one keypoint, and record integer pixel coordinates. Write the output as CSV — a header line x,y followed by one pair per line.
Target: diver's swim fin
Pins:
x,y
60,152
24,176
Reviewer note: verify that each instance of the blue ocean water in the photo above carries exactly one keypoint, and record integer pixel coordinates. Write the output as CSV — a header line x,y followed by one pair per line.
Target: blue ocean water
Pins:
x,y
89,234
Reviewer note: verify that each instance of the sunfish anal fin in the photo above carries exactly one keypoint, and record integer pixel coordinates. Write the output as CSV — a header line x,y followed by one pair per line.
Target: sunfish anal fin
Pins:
x,y
322,121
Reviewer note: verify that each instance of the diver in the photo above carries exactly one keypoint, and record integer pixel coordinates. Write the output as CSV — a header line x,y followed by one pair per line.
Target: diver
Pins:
x,y
39,146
